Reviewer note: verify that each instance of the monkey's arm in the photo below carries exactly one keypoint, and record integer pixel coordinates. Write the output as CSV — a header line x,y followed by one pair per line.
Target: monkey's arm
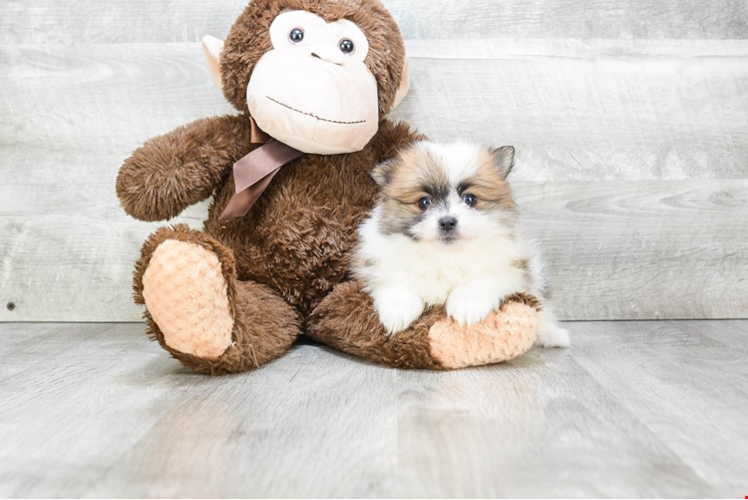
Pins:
x,y
175,170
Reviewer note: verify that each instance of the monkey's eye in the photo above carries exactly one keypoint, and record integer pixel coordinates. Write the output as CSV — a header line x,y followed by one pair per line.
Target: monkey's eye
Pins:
x,y
424,203
346,46
296,35
469,199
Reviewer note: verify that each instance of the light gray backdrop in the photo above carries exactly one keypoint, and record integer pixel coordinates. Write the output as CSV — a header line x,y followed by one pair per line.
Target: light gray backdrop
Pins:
x,y
630,118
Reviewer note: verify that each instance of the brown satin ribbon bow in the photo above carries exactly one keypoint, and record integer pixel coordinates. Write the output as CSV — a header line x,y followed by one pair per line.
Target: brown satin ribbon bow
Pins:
x,y
253,173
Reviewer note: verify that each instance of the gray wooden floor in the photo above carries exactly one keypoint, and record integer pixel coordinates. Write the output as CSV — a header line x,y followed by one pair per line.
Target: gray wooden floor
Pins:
x,y
633,409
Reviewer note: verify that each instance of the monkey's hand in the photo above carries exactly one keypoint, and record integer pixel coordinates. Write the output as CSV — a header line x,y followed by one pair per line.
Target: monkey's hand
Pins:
x,y
175,170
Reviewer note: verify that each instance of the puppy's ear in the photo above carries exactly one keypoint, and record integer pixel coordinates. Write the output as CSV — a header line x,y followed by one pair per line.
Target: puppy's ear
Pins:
x,y
504,159
382,173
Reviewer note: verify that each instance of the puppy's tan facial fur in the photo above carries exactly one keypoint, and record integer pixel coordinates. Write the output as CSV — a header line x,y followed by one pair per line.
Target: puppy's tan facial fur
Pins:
x,y
411,175
421,172
405,180
488,183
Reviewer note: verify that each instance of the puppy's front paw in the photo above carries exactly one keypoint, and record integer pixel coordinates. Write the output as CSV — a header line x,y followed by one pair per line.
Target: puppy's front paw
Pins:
x,y
469,306
397,309
553,336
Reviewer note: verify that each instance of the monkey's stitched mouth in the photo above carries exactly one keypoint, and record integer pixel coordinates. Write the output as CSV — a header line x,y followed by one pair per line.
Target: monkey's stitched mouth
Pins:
x,y
338,122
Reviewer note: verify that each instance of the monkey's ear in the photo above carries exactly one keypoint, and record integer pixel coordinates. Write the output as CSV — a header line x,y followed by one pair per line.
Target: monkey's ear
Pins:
x,y
212,47
504,158
402,91
382,172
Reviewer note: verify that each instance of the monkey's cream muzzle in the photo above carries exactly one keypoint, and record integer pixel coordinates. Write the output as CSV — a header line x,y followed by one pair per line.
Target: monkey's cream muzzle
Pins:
x,y
314,105
309,92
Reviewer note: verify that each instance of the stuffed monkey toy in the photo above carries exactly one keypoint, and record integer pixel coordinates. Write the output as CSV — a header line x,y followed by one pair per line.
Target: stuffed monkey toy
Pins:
x,y
312,81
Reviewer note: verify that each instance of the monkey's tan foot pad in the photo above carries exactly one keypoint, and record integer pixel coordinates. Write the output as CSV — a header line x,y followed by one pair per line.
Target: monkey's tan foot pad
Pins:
x,y
505,334
186,295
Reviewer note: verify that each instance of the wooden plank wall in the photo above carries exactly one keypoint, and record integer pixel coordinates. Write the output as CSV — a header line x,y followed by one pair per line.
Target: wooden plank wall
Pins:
x,y
630,119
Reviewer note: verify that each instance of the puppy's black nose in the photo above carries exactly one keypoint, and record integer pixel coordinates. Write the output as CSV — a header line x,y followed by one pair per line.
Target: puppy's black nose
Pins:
x,y
447,224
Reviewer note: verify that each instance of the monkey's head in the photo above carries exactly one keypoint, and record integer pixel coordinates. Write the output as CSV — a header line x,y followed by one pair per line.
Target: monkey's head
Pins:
x,y
314,74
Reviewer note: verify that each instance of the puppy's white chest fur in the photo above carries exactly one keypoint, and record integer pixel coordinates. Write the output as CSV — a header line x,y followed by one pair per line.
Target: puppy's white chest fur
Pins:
x,y
433,270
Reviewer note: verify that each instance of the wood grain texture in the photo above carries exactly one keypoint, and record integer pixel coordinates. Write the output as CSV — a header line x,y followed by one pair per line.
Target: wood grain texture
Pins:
x,y
687,359
637,409
588,111
642,250
47,21
593,110
632,160
634,249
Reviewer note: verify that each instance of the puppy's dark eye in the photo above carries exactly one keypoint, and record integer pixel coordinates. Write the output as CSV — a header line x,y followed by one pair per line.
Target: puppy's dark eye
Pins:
x,y
346,46
296,35
424,203
469,199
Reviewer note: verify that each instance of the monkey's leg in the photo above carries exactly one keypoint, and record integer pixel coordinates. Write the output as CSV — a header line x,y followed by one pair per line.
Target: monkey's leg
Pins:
x,y
346,320
198,310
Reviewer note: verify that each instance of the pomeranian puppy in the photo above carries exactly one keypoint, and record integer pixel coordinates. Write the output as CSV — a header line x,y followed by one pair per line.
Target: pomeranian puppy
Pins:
x,y
445,231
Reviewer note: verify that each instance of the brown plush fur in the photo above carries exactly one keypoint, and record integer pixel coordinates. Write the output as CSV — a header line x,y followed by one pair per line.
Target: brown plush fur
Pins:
x,y
297,237
282,259
346,320
524,298
173,171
